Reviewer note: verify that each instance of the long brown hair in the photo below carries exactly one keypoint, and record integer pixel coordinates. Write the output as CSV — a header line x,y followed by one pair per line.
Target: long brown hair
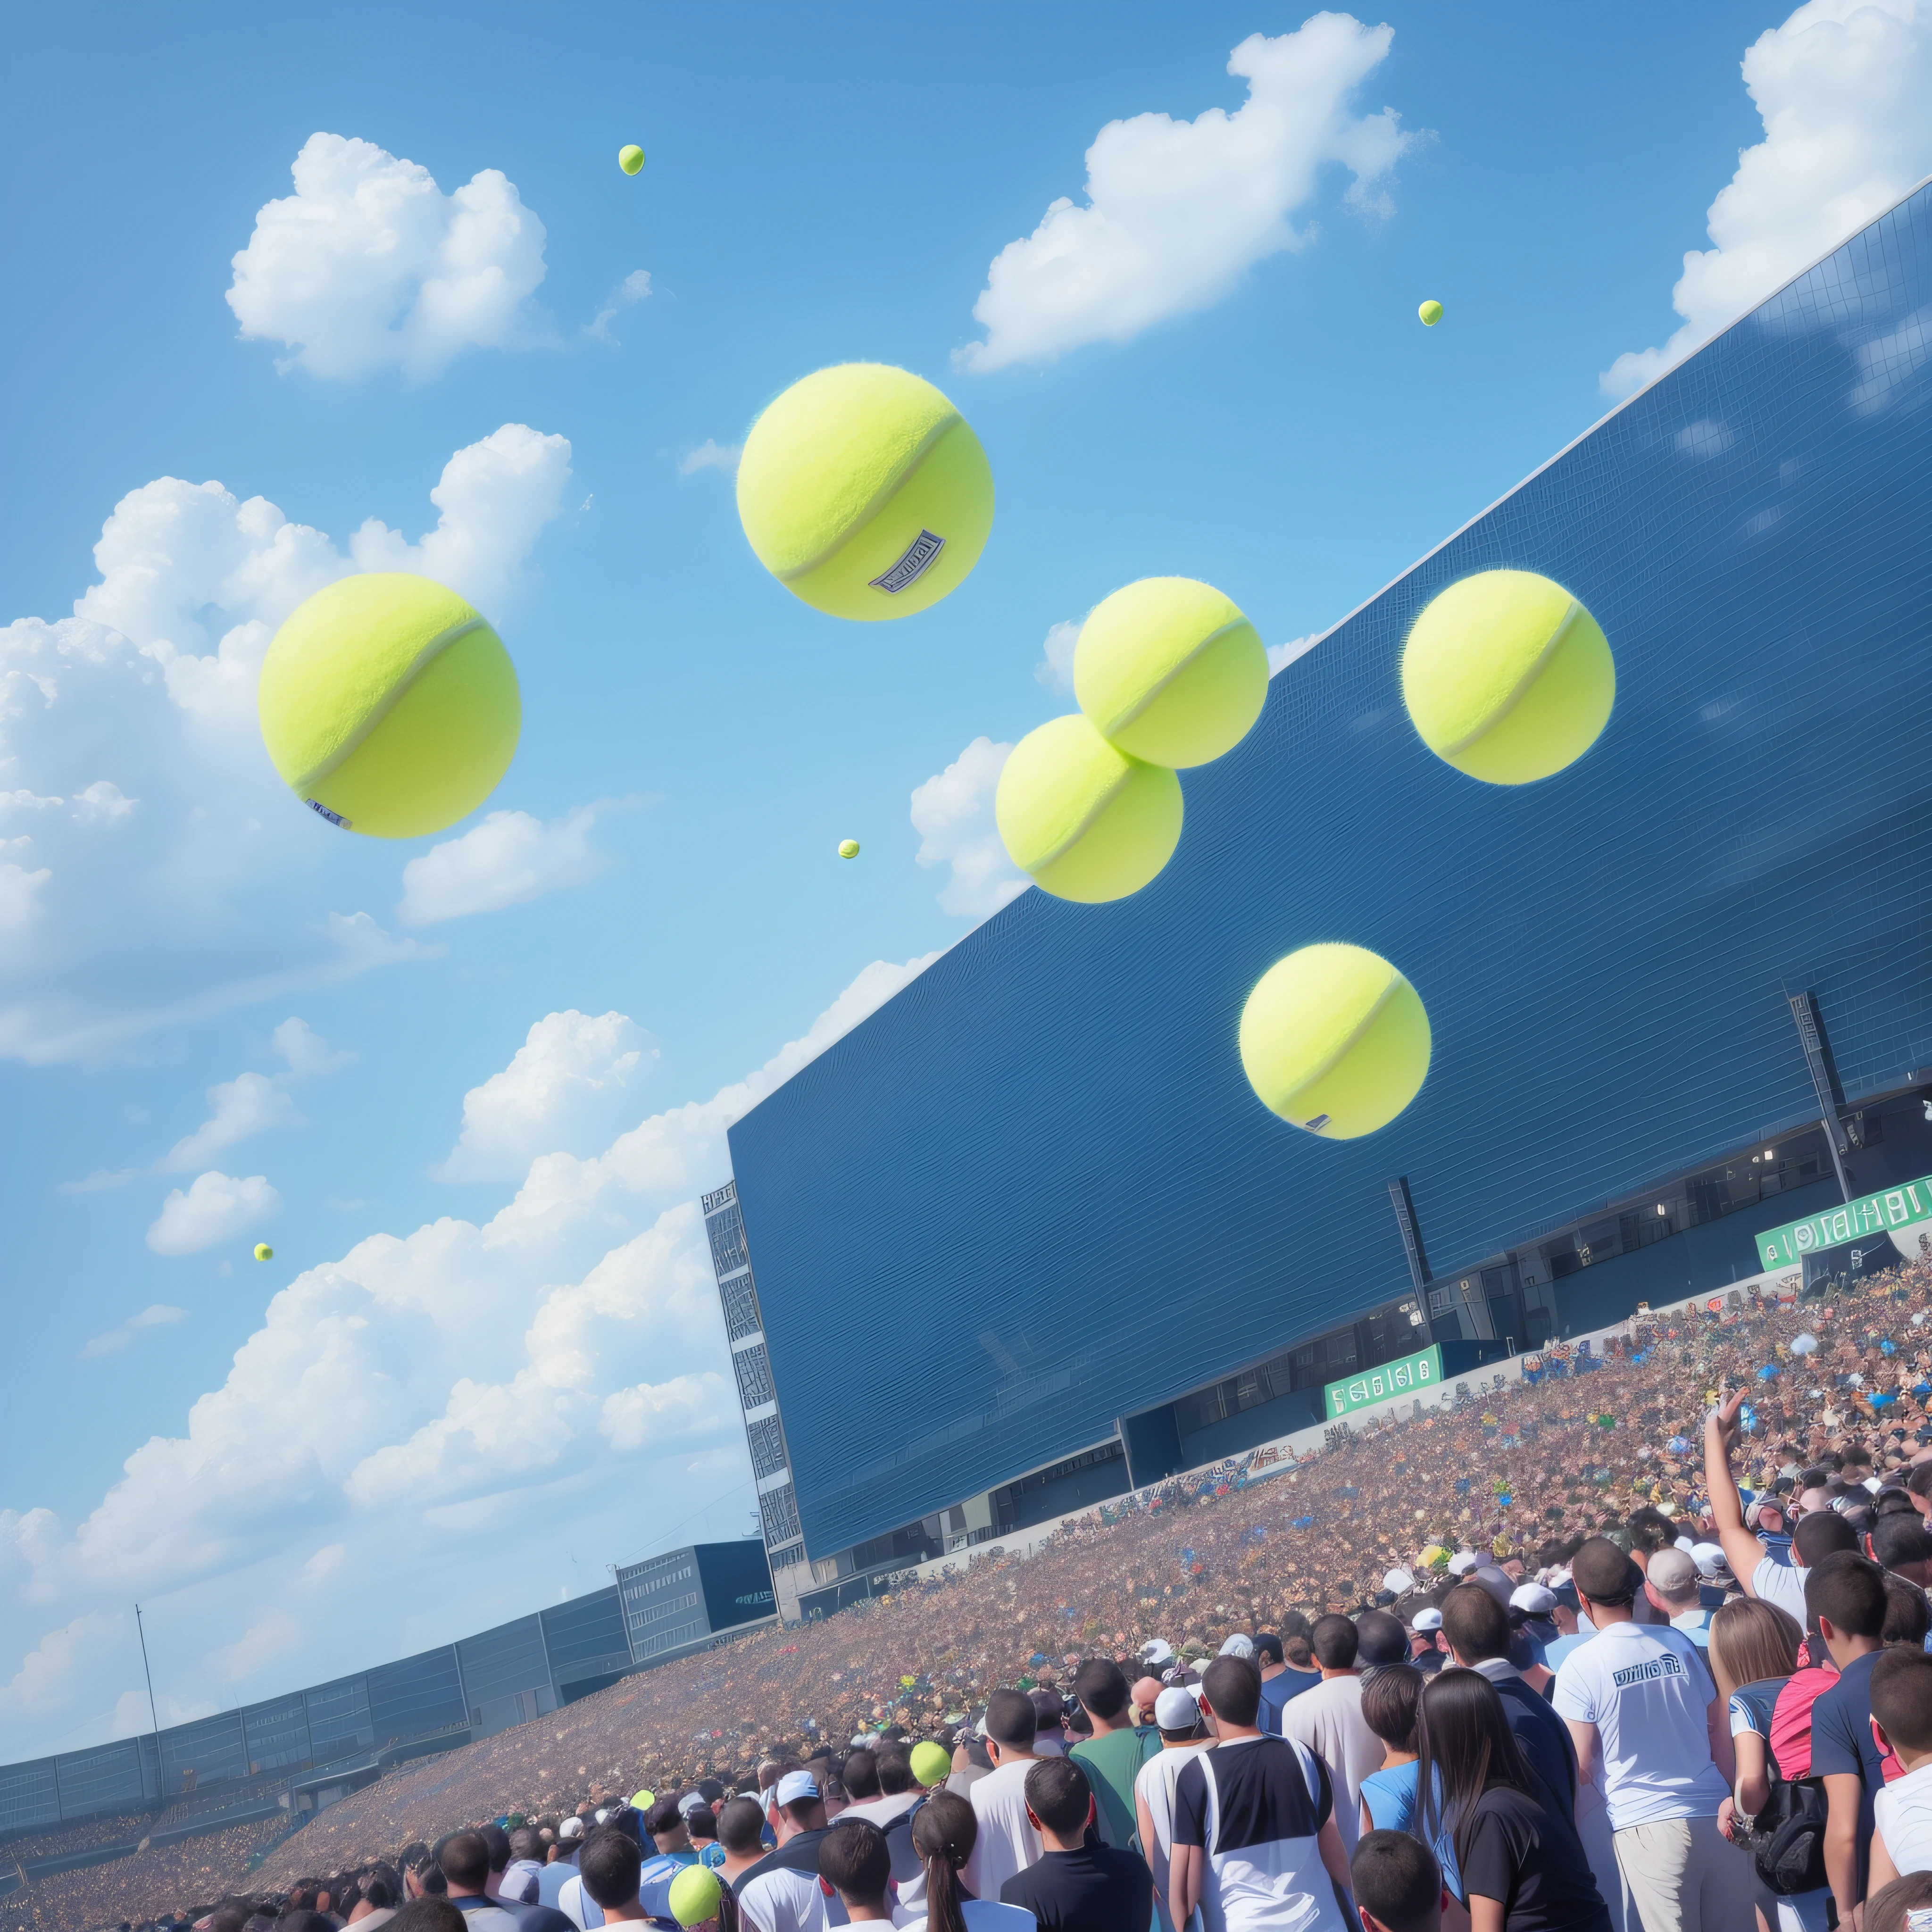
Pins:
x,y
1751,1641
943,1835
1464,1747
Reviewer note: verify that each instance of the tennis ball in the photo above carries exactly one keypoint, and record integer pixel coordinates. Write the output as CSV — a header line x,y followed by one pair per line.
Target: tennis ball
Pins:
x,y
1335,1040
1431,313
863,491
1169,670
1087,822
389,705
643,1801
694,1895
848,848
1507,677
263,1252
631,158
931,1762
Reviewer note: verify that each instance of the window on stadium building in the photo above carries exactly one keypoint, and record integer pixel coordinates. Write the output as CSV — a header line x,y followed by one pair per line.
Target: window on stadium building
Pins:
x,y
338,1717
417,1696
741,1308
586,1637
202,1753
767,1443
101,1779
754,1376
29,1796
276,1733
727,1230
499,1663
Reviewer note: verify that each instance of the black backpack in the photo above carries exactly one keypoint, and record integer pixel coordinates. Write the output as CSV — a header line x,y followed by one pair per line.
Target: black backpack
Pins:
x,y
1787,1840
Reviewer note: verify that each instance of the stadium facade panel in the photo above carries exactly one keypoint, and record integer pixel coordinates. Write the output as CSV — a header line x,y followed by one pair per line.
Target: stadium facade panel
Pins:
x,y
1033,1194
433,1701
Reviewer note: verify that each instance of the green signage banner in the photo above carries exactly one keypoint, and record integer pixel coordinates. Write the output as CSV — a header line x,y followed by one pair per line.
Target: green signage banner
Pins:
x,y
1871,1214
1414,1374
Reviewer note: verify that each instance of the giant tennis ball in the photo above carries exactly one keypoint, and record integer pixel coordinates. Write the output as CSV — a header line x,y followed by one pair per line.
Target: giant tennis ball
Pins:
x,y
631,158
1170,671
389,705
1334,1040
1507,677
864,492
931,1762
694,1895
1087,821
1431,313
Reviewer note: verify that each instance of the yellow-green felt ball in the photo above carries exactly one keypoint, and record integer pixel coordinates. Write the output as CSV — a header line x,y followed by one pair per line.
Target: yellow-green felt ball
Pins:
x,y
263,1252
389,705
631,158
1507,677
864,492
931,1762
1431,313
694,1895
1335,1040
1085,820
1170,671
848,848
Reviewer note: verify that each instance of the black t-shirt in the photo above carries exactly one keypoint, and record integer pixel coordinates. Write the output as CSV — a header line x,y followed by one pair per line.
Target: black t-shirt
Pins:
x,y
1531,1860
1095,1889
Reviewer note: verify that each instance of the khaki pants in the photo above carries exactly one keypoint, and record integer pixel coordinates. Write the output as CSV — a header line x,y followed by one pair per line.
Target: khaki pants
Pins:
x,y
1685,1876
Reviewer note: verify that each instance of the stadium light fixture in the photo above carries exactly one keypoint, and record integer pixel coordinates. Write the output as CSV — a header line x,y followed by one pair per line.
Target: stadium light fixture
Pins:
x,y
1663,1213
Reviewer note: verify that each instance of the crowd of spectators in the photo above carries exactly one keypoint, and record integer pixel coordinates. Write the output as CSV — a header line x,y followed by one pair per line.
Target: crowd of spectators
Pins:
x,y
1577,1499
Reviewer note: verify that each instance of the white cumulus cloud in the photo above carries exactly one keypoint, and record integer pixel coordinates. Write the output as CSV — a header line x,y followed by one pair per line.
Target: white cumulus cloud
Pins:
x,y
1177,211
634,288
157,1315
250,1103
1055,668
508,859
532,1385
1280,656
370,265
188,881
952,813
1844,89
560,1088
309,1056
215,1207
710,454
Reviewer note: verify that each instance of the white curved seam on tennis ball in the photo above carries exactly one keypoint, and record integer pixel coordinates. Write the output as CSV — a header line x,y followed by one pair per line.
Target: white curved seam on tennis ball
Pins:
x,y
1355,1036
353,743
881,498
1154,690
1086,822
1523,684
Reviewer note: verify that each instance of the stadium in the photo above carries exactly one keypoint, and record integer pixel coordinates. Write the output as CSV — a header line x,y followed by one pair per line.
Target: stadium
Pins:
x,y
1677,994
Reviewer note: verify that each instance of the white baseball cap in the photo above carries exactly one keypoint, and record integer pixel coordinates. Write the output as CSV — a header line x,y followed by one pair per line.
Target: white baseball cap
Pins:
x,y
1175,1710
1534,1598
1157,1650
571,1828
1708,1557
1463,1562
796,1786
1427,1620
1399,1581
1240,1644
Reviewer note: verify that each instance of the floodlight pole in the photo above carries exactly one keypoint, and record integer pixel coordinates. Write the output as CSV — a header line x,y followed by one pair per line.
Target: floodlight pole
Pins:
x,y
154,1714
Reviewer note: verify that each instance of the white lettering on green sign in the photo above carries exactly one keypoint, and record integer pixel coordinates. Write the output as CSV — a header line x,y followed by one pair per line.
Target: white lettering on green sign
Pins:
x,y
1409,1376
1871,1214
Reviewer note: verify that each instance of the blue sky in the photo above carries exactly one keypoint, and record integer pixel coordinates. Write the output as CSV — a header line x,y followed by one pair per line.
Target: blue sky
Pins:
x,y
499,1330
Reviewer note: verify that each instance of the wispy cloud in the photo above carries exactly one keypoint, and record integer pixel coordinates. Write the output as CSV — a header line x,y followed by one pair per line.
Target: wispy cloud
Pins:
x,y
158,1314
711,455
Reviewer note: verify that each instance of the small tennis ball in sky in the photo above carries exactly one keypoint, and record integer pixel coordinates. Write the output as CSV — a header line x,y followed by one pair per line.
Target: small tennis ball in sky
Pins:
x,y
1507,677
631,159
389,705
1170,671
1084,820
931,1762
694,1895
1335,1040
1431,313
848,848
263,1252
865,493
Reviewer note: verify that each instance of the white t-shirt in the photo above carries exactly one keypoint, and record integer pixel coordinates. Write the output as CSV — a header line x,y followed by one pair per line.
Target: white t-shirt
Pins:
x,y
1904,1810
1328,1719
1647,1690
1154,1786
784,1900
881,1811
981,1914
1007,1842
578,1907
1781,1585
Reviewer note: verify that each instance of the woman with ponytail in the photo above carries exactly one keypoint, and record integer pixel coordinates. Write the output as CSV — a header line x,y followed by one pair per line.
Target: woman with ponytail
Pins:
x,y
943,1834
